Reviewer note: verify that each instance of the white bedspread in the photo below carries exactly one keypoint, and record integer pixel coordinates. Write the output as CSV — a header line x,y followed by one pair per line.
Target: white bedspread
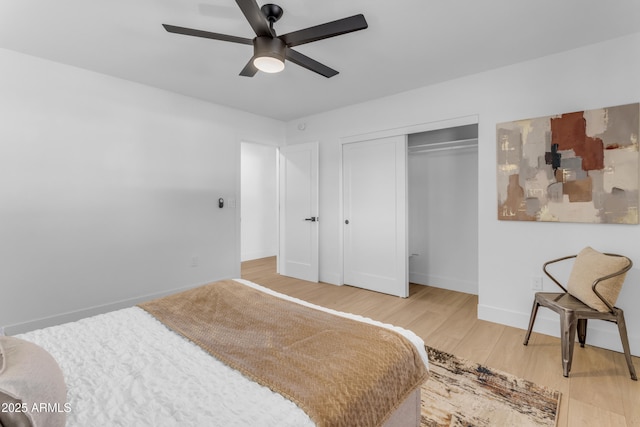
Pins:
x,y
125,368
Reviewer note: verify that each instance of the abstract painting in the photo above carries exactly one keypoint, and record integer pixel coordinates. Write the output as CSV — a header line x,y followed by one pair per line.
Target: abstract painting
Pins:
x,y
573,167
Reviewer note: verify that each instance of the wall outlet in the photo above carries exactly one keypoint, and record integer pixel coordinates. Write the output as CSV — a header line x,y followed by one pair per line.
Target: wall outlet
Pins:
x,y
536,283
194,261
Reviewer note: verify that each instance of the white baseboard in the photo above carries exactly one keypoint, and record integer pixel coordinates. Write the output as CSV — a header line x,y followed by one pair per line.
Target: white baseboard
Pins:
x,y
599,333
450,283
72,316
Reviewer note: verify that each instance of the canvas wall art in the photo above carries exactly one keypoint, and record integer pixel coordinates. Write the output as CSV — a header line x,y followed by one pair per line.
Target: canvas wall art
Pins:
x,y
574,167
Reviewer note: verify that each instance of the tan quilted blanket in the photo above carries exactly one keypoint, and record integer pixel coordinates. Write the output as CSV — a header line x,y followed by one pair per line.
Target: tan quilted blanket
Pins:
x,y
341,372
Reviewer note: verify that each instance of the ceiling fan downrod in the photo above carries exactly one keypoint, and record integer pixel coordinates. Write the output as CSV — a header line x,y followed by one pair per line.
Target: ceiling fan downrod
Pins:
x,y
273,13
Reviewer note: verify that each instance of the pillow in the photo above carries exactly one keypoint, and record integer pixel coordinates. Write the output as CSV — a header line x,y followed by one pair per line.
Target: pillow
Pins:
x,y
589,266
33,378
10,415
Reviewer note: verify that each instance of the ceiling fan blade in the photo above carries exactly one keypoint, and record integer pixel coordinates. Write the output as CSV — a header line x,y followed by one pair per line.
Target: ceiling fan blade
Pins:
x,y
256,18
249,70
309,64
324,31
206,34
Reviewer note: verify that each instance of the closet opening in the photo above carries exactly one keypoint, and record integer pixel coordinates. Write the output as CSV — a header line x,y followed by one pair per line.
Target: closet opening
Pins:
x,y
442,168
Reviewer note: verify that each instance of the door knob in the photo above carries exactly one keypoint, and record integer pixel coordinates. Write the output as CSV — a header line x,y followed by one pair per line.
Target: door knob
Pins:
x,y
346,221
312,219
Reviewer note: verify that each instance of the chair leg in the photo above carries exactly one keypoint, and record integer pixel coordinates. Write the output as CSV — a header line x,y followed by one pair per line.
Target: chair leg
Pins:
x,y
622,328
582,331
568,327
532,319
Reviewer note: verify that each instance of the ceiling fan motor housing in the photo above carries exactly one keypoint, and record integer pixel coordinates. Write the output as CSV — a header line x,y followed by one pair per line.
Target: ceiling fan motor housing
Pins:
x,y
267,46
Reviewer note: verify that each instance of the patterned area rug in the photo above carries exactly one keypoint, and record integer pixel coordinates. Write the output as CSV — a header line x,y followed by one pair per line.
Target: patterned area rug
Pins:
x,y
462,393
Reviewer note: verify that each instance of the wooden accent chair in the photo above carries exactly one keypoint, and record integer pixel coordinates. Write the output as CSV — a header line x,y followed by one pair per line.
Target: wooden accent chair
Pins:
x,y
592,290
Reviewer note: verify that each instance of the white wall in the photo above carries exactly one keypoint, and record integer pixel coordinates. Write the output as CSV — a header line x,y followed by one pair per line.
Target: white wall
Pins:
x,y
259,207
443,219
109,190
510,253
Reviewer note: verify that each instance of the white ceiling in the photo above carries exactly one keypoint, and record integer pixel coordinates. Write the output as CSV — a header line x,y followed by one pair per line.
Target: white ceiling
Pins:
x,y
409,44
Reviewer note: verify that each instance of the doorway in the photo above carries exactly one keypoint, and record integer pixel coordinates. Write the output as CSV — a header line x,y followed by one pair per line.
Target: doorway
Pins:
x,y
279,207
258,201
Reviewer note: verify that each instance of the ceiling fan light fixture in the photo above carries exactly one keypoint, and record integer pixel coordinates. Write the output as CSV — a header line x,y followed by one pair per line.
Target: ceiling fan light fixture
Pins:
x,y
268,64
269,54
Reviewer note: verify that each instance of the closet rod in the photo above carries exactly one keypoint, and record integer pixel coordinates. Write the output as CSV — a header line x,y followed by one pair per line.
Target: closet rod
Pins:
x,y
458,141
424,149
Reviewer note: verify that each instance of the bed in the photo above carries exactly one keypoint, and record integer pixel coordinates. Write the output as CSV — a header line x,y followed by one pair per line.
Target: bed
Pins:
x,y
151,365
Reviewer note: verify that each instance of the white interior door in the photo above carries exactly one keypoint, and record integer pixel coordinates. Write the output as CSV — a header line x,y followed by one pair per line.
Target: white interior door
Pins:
x,y
299,211
375,215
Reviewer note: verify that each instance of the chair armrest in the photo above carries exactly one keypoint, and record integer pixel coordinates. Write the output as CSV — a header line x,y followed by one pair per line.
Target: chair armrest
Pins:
x,y
553,261
609,276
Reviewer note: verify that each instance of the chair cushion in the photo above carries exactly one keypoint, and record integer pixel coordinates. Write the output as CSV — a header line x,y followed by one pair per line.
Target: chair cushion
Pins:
x,y
589,266
31,376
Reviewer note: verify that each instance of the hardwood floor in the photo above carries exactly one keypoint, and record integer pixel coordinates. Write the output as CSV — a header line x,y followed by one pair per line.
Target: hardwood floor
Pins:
x,y
598,392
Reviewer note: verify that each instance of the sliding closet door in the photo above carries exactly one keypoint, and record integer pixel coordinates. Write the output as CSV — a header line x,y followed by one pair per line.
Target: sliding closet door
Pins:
x,y
375,215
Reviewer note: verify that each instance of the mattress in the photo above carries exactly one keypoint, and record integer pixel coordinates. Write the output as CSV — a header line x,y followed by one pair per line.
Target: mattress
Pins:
x,y
125,368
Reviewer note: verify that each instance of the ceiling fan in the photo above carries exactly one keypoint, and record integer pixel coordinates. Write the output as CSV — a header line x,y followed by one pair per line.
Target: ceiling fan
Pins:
x,y
270,50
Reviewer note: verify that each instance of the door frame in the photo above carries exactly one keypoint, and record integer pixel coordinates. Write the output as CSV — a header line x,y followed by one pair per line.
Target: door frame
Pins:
x,y
404,130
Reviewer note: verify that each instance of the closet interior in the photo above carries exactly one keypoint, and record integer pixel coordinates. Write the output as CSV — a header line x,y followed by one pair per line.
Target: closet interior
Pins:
x,y
443,208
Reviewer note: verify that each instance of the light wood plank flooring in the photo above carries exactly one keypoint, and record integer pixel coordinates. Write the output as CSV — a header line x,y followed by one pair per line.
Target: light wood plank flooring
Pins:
x,y
598,392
